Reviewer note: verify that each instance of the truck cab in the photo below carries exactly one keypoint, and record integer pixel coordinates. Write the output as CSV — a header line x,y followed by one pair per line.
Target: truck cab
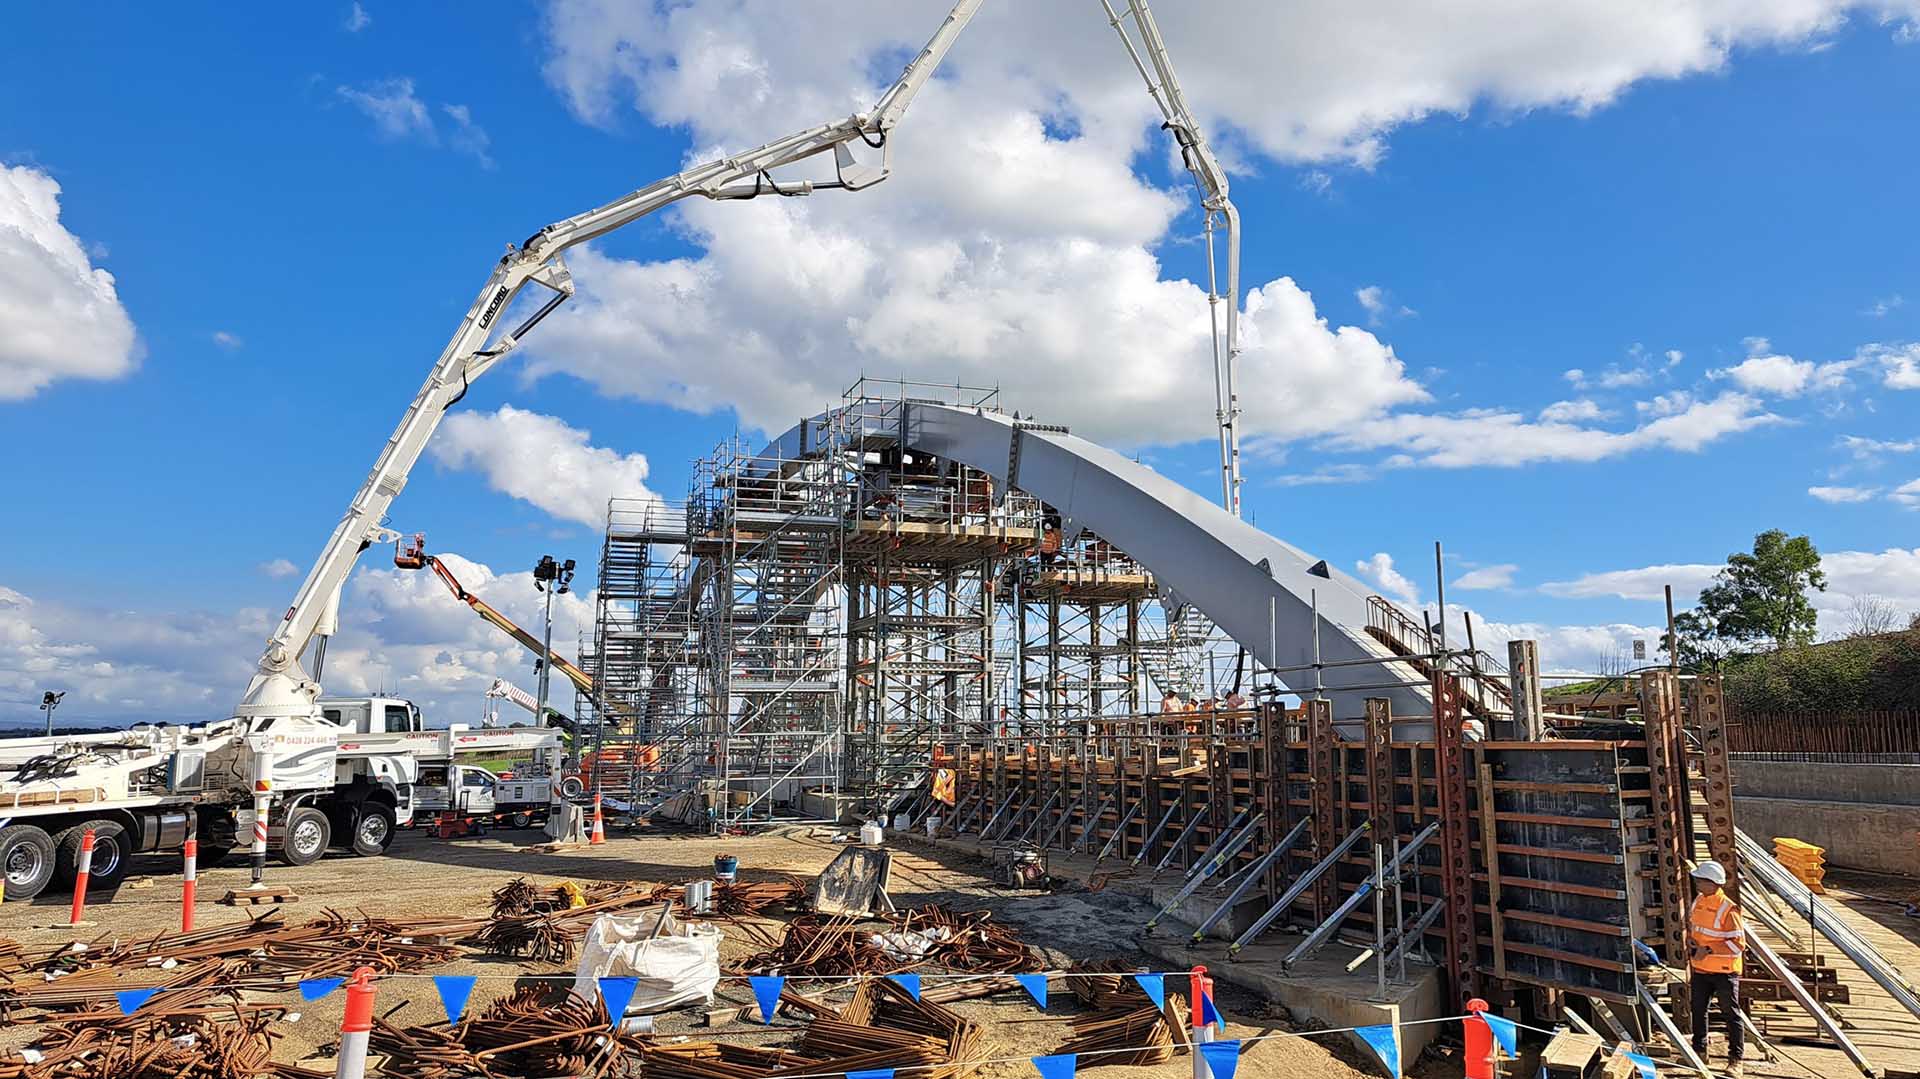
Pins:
x,y
386,777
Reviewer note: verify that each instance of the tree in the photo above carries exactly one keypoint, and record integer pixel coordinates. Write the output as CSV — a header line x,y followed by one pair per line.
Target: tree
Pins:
x,y
1870,616
1758,597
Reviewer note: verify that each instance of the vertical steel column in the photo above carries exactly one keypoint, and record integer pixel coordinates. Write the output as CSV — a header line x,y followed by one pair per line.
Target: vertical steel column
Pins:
x,y
1381,795
1709,711
1456,844
1322,774
1666,774
1523,667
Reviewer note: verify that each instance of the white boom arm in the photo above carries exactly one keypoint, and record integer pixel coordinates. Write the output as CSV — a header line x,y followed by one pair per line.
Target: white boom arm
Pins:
x,y
505,690
279,686
1164,87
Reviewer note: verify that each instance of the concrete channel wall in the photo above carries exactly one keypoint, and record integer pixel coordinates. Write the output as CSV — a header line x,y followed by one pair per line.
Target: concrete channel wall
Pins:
x,y
1867,816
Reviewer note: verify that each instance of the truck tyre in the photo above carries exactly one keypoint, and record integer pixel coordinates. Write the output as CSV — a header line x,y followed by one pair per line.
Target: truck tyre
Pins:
x,y
26,860
520,820
372,829
112,855
211,853
307,837
572,787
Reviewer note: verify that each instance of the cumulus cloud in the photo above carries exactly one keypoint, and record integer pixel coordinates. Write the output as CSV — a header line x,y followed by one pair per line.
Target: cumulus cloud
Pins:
x,y
1379,572
1899,364
1573,412
1837,495
1907,494
1766,371
401,632
542,461
1487,577
1017,245
60,317
278,568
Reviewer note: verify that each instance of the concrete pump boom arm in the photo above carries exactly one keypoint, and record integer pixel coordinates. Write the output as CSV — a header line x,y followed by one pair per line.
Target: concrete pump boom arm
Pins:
x,y
279,686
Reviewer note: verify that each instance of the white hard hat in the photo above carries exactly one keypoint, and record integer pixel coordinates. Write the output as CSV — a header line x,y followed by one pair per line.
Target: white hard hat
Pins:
x,y
1710,871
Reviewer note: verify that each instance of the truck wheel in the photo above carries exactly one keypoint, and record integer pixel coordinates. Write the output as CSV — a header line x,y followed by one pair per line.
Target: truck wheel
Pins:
x,y
307,837
211,854
572,787
520,820
26,860
112,855
372,829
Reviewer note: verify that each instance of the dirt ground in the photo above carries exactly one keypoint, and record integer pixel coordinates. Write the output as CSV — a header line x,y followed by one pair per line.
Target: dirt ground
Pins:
x,y
425,878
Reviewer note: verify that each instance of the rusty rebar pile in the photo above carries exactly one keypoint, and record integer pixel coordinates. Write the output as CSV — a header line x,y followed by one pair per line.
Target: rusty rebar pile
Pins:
x,y
231,1042
968,942
528,1033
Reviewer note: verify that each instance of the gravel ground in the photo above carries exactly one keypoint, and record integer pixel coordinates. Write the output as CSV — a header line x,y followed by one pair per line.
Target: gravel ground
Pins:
x,y
425,878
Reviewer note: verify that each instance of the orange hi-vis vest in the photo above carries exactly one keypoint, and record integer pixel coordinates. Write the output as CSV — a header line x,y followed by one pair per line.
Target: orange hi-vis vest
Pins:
x,y
1714,926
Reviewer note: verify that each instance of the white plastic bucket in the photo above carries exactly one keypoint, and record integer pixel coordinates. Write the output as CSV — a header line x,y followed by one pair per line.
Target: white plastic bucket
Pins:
x,y
872,834
933,825
902,821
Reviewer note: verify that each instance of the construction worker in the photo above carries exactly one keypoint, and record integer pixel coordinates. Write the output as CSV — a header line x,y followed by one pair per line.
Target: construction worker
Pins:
x,y
1714,934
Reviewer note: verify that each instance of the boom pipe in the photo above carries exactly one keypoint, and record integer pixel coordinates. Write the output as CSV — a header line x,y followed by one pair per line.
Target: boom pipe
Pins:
x,y
278,685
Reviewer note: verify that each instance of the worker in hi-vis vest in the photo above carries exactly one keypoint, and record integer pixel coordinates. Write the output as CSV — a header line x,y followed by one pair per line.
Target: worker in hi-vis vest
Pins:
x,y
1714,934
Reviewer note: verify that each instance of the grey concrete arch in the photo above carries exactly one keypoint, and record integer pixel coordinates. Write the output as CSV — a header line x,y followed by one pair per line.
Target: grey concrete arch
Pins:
x,y
1259,589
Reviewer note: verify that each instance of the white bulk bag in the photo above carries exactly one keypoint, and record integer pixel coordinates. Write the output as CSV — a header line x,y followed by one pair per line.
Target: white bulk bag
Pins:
x,y
677,967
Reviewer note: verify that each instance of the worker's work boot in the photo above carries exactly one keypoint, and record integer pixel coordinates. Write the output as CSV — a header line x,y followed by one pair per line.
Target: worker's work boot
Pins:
x,y
1736,1068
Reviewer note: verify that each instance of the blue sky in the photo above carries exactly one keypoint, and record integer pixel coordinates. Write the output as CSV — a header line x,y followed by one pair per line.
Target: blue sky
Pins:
x,y
295,211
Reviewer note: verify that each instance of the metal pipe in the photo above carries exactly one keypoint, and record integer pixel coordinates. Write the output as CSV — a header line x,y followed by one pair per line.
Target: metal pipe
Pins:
x,y
1141,854
1324,931
1680,1043
1207,856
1037,818
1842,936
1180,841
1416,933
1205,870
1297,889
1014,820
1086,834
1253,875
1778,968
1118,831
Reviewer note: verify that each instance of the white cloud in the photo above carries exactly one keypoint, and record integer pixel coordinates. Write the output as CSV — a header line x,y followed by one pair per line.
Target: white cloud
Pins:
x,y
1907,494
1379,305
1892,574
400,631
1765,371
1016,244
1573,412
1645,583
1582,649
229,341
1870,448
358,19
541,460
1881,308
1614,377
1492,437
1836,495
1674,356
1319,80
396,111
1899,364
278,568
1392,584
467,136
60,317
1487,577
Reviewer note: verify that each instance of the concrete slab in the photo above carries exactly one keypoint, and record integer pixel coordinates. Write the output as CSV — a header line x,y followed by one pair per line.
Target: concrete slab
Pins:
x,y
1320,992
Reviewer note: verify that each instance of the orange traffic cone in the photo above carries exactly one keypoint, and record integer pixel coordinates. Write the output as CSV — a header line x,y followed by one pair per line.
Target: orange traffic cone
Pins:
x,y
599,835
